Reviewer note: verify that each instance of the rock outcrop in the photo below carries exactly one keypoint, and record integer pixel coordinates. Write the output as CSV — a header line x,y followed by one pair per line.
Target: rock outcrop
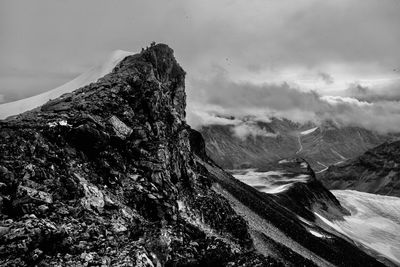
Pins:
x,y
111,175
95,177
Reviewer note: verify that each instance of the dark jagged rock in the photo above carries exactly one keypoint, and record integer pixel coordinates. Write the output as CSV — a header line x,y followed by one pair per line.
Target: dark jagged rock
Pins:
x,y
376,171
111,175
197,144
95,177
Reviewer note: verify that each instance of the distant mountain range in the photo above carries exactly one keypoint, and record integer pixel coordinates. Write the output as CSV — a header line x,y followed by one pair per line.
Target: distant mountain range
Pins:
x,y
321,145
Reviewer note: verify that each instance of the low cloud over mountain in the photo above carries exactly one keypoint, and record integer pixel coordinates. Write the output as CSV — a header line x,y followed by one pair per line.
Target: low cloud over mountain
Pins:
x,y
389,92
218,97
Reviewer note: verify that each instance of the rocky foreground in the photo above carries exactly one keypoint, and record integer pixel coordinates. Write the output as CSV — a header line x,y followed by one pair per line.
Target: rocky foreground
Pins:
x,y
111,175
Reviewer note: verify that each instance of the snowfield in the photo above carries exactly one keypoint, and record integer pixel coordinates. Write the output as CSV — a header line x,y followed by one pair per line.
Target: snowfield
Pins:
x,y
374,221
20,106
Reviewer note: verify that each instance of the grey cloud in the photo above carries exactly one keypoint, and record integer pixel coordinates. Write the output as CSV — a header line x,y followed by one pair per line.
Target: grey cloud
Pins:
x,y
13,84
357,90
254,35
254,67
221,91
386,92
223,96
248,129
327,78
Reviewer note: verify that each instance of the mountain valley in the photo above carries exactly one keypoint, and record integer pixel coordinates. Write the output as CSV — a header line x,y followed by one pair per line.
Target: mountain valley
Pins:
x,y
321,146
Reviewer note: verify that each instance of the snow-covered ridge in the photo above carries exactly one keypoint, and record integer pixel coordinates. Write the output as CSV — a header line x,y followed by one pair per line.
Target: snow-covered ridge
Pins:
x,y
92,75
309,131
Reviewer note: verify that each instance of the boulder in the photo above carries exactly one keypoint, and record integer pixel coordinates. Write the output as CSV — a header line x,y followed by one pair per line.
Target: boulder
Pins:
x,y
30,195
120,128
93,197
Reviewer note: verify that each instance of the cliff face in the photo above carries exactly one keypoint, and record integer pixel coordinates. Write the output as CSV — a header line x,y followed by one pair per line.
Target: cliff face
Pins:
x,y
376,171
111,175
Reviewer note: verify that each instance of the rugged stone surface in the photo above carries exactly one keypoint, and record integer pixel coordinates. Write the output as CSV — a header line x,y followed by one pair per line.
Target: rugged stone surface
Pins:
x,y
376,171
111,175
95,178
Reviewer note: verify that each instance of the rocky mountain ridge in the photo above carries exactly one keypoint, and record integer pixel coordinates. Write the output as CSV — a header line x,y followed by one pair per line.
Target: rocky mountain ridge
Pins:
x,y
111,175
94,177
376,171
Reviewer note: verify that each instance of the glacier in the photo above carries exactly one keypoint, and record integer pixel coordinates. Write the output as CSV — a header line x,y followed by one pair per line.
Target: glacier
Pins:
x,y
374,221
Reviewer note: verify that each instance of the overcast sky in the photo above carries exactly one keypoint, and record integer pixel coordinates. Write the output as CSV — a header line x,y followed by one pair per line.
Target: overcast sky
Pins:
x,y
342,47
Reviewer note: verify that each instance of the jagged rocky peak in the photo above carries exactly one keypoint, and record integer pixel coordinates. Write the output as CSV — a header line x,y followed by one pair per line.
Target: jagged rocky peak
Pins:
x,y
137,111
165,70
95,177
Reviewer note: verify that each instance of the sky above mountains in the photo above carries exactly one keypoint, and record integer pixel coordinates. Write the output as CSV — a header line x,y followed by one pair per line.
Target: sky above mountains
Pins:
x,y
266,57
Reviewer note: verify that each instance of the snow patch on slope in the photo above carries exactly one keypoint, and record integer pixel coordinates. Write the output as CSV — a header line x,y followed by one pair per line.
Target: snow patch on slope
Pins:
x,y
324,169
318,234
61,123
309,131
92,75
374,221
283,161
338,154
300,145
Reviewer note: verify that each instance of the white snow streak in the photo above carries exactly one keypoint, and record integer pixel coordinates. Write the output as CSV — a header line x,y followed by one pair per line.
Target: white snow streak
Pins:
x,y
338,154
309,131
325,167
318,234
300,145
